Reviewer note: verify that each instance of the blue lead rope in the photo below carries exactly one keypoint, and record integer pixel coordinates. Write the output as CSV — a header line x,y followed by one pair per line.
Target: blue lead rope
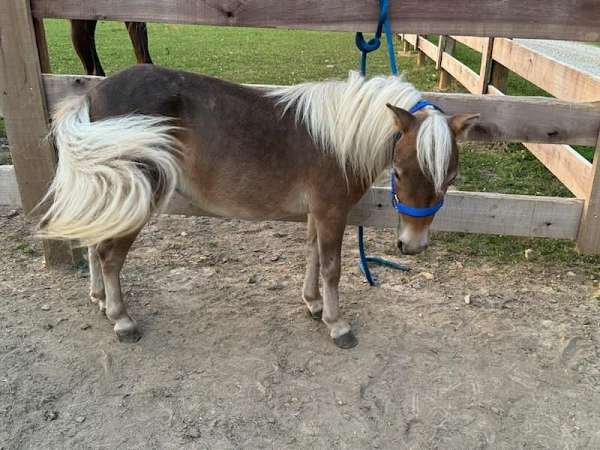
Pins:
x,y
367,47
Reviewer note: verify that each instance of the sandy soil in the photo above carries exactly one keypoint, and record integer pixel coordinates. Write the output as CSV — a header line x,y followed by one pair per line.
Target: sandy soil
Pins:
x,y
230,360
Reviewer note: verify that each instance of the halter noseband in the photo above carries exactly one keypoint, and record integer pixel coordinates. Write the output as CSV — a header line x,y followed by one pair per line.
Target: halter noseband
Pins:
x,y
396,203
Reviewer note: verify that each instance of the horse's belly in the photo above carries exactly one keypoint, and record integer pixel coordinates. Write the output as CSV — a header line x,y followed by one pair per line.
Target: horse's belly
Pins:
x,y
256,205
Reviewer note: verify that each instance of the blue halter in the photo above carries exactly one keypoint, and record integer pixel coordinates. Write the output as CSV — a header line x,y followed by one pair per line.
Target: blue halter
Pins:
x,y
410,210
396,203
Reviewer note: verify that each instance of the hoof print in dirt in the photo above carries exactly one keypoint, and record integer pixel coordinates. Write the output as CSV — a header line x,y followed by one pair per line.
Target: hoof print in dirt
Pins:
x,y
129,336
345,341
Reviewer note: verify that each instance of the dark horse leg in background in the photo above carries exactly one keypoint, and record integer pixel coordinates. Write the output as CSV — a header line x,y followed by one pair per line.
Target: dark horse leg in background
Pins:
x,y
84,41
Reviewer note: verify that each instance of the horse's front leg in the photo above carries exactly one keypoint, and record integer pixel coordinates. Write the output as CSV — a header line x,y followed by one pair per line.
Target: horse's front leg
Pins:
x,y
330,233
310,291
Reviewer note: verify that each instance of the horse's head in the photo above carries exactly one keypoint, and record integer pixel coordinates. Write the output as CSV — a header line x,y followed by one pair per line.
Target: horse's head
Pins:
x,y
425,163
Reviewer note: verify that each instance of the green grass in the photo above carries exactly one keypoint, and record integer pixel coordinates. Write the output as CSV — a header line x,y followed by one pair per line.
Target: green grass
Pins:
x,y
271,56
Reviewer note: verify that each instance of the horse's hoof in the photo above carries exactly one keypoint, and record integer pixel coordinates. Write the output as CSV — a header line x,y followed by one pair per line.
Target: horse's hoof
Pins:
x,y
317,315
130,335
346,341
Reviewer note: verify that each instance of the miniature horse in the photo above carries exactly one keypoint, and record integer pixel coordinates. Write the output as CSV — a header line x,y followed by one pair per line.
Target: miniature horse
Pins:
x,y
84,40
242,152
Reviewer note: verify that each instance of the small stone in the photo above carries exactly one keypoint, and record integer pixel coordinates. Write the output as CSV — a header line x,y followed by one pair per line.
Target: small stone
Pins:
x,y
45,308
341,403
80,419
252,279
275,258
528,253
184,234
427,275
571,274
274,287
467,299
85,326
13,213
50,415
279,235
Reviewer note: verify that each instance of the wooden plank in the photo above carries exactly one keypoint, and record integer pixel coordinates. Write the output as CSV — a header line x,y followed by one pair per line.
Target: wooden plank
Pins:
x,y
460,72
572,169
588,240
475,43
441,48
506,118
42,45
558,79
556,19
485,72
427,47
498,77
469,212
9,191
487,213
24,106
411,39
444,82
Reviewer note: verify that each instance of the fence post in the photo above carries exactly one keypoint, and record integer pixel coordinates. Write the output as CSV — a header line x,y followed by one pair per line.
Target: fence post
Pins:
x,y
420,54
25,113
446,46
588,239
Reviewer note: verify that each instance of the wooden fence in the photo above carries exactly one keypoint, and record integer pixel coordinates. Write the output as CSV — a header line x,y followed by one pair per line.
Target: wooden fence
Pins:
x,y
29,91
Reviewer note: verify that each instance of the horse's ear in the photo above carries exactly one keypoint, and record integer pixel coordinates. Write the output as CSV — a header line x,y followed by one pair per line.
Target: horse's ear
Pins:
x,y
404,120
461,123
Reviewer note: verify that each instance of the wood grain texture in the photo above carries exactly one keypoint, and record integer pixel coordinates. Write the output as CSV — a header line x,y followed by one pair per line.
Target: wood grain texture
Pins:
x,y
556,19
485,73
469,212
588,240
572,169
476,43
461,73
511,119
25,115
555,77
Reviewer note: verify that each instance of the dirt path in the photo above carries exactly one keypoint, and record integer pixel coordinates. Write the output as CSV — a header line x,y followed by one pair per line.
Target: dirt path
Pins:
x,y
229,359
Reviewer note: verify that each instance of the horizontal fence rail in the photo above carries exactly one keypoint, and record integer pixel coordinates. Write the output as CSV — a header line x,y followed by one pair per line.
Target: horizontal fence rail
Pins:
x,y
468,212
503,118
554,19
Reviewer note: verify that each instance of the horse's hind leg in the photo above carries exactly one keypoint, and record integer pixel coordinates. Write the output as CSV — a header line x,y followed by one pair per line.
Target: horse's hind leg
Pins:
x,y
97,293
330,233
310,291
138,33
84,40
112,254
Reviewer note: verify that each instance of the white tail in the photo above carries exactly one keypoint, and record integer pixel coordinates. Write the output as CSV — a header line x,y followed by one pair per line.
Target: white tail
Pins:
x,y
112,173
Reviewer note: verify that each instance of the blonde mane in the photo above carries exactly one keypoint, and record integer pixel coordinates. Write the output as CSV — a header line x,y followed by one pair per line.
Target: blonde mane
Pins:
x,y
349,119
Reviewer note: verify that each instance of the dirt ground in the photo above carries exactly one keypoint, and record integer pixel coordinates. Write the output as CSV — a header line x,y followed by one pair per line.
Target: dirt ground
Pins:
x,y
230,360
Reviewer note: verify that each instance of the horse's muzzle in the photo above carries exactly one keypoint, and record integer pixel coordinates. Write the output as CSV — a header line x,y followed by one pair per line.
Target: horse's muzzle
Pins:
x,y
411,250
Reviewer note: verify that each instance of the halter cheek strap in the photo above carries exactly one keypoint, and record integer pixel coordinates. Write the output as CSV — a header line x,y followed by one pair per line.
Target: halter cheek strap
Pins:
x,y
396,203
410,210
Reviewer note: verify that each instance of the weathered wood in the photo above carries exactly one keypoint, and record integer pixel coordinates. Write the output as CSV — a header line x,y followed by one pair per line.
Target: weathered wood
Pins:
x,y
445,78
557,78
9,191
476,43
24,107
556,19
460,72
588,240
427,47
42,45
511,119
469,212
441,48
498,77
485,73
572,169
